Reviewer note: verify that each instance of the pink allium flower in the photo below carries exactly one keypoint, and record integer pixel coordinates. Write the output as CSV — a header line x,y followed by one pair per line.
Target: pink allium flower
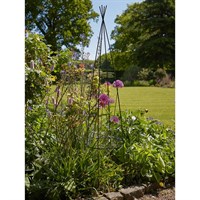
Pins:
x,y
111,100
118,84
107,83
114,119
103,100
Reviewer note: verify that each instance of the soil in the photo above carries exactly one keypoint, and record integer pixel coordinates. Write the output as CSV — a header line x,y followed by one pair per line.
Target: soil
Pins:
x,y
160,194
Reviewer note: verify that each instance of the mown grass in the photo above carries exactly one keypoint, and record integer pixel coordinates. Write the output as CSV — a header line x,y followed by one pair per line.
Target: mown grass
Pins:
x,y
160,102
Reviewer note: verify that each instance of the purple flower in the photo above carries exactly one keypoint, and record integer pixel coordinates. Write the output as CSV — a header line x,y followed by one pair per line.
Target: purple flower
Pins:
x,y
103,100
47,101
107,83
63,72
52,68
57,90
118,84
48,113
32,64
70,101
114,119
111,100
30,108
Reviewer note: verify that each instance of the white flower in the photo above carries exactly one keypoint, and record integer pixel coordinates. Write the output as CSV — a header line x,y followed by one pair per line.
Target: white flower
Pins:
x,y
133,118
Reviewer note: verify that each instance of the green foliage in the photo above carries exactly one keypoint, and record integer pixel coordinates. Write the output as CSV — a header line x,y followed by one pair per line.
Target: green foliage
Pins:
x,y
60,22
38,78
62,155
160,73
72,147
146,149
146,32
141,83
37,50
64,158
143,74
63,60
131,73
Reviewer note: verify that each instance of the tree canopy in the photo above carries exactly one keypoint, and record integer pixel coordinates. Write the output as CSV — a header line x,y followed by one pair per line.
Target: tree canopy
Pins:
x,y
145,34
61,22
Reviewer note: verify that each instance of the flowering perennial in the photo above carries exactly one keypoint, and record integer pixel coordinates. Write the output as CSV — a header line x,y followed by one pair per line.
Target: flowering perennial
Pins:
x,y
107,83
118,84
114,119
105,100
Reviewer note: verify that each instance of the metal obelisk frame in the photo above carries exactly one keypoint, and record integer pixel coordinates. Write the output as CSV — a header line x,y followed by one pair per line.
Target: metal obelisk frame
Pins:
x,y
102,39
103,45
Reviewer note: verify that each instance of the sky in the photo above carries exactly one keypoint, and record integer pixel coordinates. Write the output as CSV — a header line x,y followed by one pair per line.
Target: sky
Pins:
x,y
114,8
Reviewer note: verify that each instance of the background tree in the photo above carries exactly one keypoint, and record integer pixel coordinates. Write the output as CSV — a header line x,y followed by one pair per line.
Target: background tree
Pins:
x,y
146,33
61,22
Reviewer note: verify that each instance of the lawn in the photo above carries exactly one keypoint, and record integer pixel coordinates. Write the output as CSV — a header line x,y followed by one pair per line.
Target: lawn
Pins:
x,y
160,102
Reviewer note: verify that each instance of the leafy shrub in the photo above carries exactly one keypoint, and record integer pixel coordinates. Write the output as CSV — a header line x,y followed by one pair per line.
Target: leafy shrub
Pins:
x,y
36,50
63,60
141,83
37,84
166,82
38,78
61,145
143,74
152,82
145,149
127,83
160,74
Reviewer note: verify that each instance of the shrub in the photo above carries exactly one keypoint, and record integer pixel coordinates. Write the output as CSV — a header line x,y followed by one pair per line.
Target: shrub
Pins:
x,y
141,83
62,150
160,74
143,74
145,149
39,62
166,82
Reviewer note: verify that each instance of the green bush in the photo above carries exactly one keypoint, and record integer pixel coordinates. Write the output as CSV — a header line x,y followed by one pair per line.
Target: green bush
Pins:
x,y
145,149
166,82
141,83
39,62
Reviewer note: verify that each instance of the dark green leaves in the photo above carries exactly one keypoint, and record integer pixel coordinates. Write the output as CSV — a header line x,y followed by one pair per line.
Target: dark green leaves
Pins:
x,y
61,22
146,32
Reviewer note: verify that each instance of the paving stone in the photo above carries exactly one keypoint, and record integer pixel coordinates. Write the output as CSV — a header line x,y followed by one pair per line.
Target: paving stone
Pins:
x,y
100,198
114,196
133,192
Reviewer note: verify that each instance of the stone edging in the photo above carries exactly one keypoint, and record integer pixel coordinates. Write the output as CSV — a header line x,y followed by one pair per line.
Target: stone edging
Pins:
x,y
130,193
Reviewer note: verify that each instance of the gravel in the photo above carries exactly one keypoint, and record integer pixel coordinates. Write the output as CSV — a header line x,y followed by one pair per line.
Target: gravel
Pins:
x,y
164,194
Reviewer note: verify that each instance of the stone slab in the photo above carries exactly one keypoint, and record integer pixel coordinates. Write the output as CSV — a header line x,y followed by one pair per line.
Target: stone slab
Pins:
x,y
114,196
133,192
